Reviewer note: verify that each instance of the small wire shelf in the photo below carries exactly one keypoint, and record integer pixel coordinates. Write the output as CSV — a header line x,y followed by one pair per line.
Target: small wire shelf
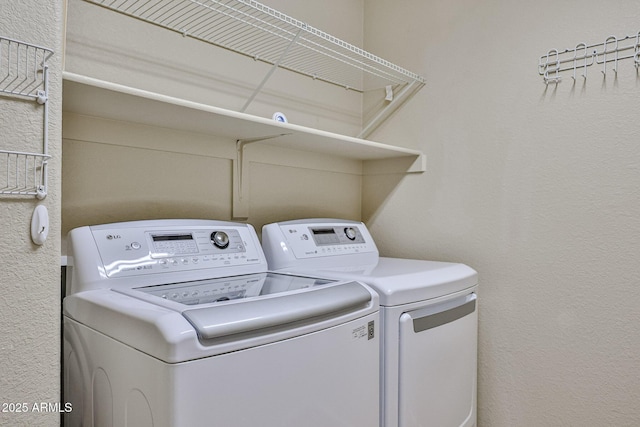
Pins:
x,y
22,68
24,74
24,173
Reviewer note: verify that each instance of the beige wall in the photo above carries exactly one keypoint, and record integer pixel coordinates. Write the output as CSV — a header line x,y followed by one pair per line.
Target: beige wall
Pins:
x,y
536,187
30,278
118,171
117,48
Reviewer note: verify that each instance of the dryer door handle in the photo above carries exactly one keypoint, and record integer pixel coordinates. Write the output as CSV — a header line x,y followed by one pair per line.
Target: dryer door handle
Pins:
x,y
250,316
443,313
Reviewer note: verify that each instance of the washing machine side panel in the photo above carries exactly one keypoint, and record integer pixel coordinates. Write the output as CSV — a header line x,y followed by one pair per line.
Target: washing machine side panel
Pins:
x,y
111,384
437,369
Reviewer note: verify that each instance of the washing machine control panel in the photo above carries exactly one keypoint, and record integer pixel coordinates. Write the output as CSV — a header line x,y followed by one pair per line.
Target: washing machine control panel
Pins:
x,y
193,242
320,240
138,251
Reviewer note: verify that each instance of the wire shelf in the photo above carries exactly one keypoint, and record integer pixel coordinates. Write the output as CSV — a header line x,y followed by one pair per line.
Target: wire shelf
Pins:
x,y
260,32
22,69
25,173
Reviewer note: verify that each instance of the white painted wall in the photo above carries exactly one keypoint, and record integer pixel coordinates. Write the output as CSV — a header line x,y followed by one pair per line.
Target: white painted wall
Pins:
x,y
30,278
536,187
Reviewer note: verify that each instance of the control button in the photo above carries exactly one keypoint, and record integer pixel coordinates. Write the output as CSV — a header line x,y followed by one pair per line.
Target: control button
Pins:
x,y
135,245
350,232
220,239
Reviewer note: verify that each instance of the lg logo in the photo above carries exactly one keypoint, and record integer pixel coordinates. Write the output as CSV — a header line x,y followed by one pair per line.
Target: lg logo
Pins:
x,y
113,236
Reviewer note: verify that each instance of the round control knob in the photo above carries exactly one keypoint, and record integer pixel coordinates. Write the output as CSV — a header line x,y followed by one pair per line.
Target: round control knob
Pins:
x,y
350,232
220,239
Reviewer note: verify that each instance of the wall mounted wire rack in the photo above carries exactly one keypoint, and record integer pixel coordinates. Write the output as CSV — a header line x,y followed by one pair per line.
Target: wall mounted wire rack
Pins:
x,y
580,58
24,75
265,34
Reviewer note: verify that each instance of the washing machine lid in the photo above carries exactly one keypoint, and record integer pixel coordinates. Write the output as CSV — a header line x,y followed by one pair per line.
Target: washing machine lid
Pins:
x,y
228,306
402,281
183,321
222,289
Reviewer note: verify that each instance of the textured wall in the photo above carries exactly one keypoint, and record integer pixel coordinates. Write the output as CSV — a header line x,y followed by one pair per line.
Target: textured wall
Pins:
x,y
536,187
30,290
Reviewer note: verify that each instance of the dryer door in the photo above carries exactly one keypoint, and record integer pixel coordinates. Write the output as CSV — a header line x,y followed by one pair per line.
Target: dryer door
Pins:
x,y
438,365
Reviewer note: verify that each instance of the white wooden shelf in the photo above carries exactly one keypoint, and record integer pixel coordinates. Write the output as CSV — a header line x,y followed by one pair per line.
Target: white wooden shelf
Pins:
x,y
99,98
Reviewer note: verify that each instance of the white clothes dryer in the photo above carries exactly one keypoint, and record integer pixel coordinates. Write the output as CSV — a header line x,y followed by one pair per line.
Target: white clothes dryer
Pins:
x,y
429,317
177,323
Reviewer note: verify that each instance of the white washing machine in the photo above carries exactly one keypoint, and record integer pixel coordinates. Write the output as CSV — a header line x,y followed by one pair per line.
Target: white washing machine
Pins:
x,y
176,323
429,317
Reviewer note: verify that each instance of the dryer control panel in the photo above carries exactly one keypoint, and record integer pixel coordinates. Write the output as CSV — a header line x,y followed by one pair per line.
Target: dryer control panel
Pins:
x,y
287,241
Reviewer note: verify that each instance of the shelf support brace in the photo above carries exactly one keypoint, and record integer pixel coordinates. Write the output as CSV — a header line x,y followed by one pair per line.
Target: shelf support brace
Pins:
x,y
396,102
241,175
293,41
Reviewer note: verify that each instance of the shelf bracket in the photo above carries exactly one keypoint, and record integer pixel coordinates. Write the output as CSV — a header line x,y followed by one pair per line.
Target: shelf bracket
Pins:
x,y
276,64
241,175
397,100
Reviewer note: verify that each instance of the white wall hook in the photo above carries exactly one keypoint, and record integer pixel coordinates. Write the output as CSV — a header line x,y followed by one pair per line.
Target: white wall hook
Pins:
x,y
552,66
40,224
613,39
579,46
636,48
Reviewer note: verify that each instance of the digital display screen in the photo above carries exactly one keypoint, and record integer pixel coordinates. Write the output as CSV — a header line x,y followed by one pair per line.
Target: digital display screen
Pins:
x,y
324,231
172,237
